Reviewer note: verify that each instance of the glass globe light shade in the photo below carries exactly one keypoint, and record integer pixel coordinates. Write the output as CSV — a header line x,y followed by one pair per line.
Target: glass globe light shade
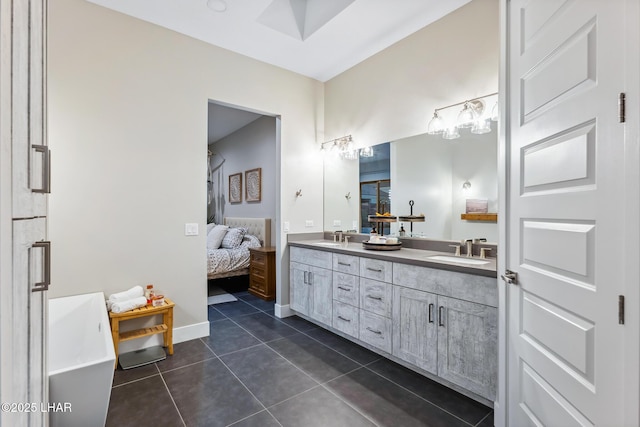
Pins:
x,y
467,117
495,112
366,152
481,126
451,133
436,124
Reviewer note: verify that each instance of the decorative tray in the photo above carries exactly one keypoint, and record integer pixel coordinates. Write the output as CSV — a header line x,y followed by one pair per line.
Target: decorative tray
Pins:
x,y
382,246
382,218
411,218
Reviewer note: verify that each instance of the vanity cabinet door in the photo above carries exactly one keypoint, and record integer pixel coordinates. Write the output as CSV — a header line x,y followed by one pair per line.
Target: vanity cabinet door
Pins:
x,y
415,334
300,289
467,345
321,298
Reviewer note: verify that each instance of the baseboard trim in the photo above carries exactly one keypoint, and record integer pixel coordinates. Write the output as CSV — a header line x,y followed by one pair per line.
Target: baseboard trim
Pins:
x,y
282,311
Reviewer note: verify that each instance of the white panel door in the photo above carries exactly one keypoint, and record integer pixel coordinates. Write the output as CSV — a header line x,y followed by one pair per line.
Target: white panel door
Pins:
x,y
565,209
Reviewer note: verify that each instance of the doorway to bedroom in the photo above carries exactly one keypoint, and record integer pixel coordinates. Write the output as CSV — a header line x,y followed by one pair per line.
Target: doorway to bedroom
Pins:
x,y
242,182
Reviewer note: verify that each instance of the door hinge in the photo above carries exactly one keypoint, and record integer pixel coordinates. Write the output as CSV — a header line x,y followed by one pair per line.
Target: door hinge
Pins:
x,y
621,309
510,277
621,107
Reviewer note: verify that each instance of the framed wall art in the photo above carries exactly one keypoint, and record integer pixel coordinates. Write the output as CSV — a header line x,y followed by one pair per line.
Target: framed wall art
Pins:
x,y
235,188
253,184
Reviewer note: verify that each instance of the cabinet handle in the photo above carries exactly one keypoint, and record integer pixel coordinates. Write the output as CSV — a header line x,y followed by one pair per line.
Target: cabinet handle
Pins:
x,y
431,313
374,331
377,270
305,277
374,297
344,289
344,263
310,278
342,318
440,316
44,285
46,169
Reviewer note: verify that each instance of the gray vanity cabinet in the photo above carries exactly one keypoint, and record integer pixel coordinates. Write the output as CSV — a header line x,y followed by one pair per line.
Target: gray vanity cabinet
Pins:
x,y
415,332
467,345
311,283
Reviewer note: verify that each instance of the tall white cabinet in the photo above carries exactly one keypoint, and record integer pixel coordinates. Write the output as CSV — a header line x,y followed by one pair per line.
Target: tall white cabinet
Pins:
x,y
24,183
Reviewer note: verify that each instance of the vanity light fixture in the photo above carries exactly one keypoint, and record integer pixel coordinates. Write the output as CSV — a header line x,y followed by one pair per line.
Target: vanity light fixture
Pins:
x,y
366,152
217,5
344,146
471,117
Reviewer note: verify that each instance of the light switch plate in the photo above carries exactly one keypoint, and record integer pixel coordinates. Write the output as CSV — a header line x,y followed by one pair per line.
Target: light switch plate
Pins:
x,y
191,229
286,226
354,224
337,223
308,223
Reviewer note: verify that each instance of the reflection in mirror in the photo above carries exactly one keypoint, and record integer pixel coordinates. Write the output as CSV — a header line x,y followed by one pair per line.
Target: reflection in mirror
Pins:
x,y
430,171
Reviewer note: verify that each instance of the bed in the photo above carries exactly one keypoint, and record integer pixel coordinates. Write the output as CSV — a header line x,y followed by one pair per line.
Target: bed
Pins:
x,y
229,261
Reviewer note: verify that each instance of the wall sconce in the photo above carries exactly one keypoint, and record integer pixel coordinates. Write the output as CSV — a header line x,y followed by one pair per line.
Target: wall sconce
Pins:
x,y
299,193
348,196
471,116
466,185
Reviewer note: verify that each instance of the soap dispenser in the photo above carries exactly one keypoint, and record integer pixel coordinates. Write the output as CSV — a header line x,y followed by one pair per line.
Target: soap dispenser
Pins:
x,y
401,232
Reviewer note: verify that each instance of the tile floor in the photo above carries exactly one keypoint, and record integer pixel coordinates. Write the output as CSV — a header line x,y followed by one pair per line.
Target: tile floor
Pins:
x,y
257,370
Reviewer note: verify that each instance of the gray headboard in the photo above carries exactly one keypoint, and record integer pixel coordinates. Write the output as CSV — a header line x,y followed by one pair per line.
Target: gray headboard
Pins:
x,y
259,227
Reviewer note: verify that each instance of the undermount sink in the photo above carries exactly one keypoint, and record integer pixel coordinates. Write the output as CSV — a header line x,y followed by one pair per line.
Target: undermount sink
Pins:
x,y
459,260
329,244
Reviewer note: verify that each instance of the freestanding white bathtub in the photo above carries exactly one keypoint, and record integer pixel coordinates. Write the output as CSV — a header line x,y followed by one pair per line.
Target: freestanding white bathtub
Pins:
x,y
81,360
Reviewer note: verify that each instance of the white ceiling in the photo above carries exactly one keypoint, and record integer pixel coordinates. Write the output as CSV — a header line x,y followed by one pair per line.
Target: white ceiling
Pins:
x,y
315,38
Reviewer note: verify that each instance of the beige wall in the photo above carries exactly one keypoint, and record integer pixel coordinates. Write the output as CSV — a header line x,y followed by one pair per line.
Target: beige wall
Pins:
x,y
128,132
393,94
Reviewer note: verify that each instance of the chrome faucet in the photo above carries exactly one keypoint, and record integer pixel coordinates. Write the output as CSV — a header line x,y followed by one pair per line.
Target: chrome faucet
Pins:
x,y
483,252
469,243
457,249
339,234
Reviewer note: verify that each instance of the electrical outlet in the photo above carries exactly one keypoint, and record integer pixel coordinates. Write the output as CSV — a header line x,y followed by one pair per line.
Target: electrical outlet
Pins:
x,y
285,226
191,229
337,223
308,223
354,224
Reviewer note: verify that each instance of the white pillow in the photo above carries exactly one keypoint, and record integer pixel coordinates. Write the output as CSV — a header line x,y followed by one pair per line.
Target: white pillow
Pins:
x,y
233,238
215,236
210,227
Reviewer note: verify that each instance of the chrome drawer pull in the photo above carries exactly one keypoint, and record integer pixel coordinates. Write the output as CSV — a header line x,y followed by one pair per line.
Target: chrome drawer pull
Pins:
x,y
344,289
374,269
375,298
344,263
374,331
342,318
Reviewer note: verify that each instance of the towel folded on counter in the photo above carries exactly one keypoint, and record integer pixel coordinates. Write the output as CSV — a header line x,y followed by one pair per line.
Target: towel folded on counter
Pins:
x,y
130,304
132,293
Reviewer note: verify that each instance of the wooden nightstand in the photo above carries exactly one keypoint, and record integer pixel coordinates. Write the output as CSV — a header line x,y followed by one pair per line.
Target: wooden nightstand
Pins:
x,y
262,272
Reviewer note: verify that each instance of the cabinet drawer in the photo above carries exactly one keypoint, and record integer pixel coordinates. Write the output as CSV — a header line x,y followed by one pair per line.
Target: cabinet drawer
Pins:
x,y
376,269
345,318
345,288
376,297
313,257
258,258
375,330
258,284
346,263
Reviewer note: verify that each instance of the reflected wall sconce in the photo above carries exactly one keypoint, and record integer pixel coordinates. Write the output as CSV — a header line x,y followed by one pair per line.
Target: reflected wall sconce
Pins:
x,y
299,193
348,196
471,116
466,185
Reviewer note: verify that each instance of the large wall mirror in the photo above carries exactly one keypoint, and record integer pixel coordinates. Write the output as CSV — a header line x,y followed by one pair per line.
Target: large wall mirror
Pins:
x,y
427,169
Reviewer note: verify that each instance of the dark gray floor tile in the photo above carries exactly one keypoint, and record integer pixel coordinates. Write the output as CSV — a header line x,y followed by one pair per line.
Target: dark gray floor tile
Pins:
x,y
264,327
444,397
388,404
317,360
320,408
344,346
207,394
258,303
235,308
186,353
261,419
299,323
487,421
121,376
269,377
142,403
225,337
213,314
271,312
